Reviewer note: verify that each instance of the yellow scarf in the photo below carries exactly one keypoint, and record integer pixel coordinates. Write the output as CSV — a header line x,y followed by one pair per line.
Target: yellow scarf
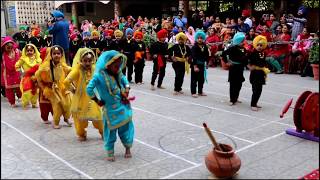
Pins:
x,y
186,64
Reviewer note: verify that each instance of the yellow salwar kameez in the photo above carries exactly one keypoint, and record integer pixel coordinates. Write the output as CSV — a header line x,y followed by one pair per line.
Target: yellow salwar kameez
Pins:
x,y
50,78
26,63
83,108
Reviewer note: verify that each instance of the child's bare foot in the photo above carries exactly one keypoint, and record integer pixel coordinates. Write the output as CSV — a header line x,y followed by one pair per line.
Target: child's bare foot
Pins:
x,y
46,122
239,101
152,88
82,138
258,106
128,153
13,105
254,108
111,158
56,126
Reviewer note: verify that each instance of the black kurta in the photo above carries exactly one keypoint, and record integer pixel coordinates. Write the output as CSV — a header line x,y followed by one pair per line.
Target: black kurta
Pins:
x,y
258,59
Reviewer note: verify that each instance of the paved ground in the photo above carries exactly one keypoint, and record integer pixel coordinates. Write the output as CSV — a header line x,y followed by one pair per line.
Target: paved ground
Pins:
x,y
170,141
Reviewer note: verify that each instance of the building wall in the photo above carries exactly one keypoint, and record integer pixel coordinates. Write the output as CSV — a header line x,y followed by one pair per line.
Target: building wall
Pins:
x,y
39,11
105,11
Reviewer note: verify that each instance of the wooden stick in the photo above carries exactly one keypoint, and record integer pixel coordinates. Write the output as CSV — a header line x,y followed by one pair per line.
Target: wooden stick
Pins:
x,y
211,137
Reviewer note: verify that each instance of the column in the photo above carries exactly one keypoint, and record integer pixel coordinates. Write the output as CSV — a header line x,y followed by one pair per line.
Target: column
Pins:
x,y
184,6
74,14
117,11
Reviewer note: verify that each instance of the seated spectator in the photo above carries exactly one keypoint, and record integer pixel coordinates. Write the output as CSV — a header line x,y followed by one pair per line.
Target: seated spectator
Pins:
x,y
275,58
242,27
300,51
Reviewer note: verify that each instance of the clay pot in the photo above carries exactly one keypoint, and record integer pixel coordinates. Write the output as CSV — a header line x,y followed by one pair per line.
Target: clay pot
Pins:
x,y
223,164
315,68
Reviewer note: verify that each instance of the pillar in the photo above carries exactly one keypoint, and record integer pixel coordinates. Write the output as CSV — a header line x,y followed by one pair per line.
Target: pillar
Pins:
x,y
117,11
74,14
184,6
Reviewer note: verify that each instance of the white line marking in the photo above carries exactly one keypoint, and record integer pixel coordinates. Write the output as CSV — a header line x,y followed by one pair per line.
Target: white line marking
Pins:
x,y
196,104
259,142
190,124
171,154
181,171
48,151
242,149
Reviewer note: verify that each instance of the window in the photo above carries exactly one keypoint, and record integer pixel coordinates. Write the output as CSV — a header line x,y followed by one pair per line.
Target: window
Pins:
x,y
68,8
200,5
89,7
80,9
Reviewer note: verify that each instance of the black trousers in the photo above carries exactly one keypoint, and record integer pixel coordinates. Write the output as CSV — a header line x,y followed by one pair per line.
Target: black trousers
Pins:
x,y
235,87
179,69
197,79
156,71
256,93
138,71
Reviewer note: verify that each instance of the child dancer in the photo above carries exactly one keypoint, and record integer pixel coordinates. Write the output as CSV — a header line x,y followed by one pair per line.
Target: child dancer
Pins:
x,y
9,76
181,56
83,108
44,103
50,77
29,62
113,88
159,53
128,50
257,66
139,52
200,59
237,61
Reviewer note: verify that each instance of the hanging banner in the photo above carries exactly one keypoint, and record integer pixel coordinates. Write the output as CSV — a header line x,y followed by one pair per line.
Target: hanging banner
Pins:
x,y
12,16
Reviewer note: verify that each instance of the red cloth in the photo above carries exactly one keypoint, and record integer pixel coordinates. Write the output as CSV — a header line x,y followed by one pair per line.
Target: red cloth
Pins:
x,y
246,12
280,49
267,35
27,82
10,78
10,94
73,36
269,23
162,34
160,62
138,34
212,39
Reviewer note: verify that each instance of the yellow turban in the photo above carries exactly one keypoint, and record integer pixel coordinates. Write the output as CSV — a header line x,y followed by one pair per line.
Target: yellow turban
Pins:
x,y
181,35
260,40
95,33
118,33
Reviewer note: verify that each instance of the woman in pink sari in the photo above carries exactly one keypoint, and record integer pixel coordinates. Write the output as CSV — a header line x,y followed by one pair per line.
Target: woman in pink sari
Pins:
x,y
190,34
10,78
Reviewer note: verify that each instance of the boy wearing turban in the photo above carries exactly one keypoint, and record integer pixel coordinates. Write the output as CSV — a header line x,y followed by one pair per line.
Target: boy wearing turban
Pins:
x,y
200,59
75,44
36,39
85,39
128,50
21,37
108,34
159,53
181,56
112,87
237,61
95,43
258,70
139,57
117,42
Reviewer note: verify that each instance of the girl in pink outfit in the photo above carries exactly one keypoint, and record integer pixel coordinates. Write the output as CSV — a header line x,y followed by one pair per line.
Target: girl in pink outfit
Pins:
x,y
300,51
10,78
190,34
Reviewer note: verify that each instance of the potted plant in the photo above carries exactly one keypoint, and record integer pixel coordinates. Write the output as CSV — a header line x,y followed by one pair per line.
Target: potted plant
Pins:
x,y
148,39
314,59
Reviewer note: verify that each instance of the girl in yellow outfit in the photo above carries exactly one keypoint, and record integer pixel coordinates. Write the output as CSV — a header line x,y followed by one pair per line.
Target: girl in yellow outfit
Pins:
x,y
50,77
83,108
30,58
